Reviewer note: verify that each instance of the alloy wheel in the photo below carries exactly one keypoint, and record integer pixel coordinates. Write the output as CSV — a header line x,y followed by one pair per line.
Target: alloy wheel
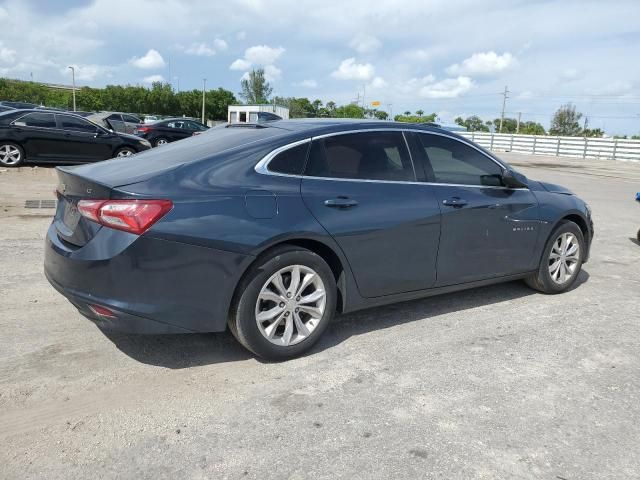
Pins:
x,y
10,155
290,305
564,258
161,141
125,152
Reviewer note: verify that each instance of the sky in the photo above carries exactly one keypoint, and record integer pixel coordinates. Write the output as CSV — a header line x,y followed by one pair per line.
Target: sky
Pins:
x,y
445,56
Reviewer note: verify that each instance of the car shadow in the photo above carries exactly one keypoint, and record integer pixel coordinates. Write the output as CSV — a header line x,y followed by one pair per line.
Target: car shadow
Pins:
x,y
634,240
191,350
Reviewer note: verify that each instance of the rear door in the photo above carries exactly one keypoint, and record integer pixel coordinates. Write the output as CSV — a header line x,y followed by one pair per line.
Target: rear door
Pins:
x,y
488,230
178,130
42,138
82,141
362,187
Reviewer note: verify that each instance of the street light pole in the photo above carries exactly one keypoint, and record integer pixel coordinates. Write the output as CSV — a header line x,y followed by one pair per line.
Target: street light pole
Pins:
x,y
73,79
204,83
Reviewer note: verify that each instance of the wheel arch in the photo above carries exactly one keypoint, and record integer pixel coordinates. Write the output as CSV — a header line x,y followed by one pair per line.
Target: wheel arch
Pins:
x,y
326,252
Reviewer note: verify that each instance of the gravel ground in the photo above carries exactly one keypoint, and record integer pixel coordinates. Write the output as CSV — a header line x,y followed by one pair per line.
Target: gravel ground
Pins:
x,y
497,382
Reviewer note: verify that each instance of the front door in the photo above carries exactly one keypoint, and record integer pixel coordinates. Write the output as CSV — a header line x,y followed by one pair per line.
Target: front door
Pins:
x,y
488,230
362,188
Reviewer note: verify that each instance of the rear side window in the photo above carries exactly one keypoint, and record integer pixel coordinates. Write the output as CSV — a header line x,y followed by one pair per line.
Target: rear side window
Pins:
x,y
115,117
131,119
41,120
457,163
361,156
76,124
291,161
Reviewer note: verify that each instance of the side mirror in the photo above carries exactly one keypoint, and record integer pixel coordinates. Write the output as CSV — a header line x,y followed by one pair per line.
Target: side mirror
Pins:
x,y
513,179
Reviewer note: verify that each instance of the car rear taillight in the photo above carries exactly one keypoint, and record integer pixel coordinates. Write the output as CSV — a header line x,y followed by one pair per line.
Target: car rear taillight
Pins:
x,y
142,129
133,216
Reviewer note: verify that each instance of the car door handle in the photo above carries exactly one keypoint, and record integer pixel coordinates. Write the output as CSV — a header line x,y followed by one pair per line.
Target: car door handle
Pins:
x,y
341,203
455,202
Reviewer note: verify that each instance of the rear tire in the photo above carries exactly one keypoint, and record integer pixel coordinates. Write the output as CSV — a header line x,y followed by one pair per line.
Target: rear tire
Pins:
x,y
284,303
158,142
11,154
561,260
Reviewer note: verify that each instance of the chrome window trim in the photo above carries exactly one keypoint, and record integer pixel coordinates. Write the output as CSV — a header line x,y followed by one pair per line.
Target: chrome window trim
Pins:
x,y
262,166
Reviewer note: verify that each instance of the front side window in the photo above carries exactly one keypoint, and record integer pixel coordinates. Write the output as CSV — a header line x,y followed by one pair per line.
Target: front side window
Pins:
x,y
454,162
40,120
291,161
361,156
76,124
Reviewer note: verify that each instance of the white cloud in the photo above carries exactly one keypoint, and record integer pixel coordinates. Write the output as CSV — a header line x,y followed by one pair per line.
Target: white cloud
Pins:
x,y
483,63
271,72
152,59
378,82
7,55
200,50
350,70
263,54
153,79
569,74
447,88
89,73
240,64
365,44
220,44
307,84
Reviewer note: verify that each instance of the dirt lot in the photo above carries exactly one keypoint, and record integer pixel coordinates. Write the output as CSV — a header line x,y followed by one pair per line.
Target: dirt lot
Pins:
x,y
498,382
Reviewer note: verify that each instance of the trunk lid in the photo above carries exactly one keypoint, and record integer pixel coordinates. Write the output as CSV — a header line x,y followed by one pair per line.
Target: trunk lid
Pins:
x,y
73,228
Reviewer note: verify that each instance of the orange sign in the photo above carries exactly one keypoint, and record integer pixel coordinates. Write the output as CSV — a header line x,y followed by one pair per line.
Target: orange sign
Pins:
x,y
375,104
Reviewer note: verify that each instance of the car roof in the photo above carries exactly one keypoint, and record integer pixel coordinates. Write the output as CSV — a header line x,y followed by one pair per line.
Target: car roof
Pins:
x,y
313,126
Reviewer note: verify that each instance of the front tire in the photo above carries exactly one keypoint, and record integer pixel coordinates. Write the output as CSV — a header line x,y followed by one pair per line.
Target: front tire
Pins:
x,y
284,303
561,260
11,154
125,152
160,141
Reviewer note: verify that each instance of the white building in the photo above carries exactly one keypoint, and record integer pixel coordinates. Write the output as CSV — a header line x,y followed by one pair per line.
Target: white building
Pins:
x,y
255,113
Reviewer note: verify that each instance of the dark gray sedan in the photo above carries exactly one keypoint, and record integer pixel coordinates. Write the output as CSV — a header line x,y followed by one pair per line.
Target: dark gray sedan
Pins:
x,y
270,229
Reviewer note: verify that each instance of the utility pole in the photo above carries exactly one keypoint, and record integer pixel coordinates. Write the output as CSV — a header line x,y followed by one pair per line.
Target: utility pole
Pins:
x,y
390,107
73,91
505,95
204,84
586,122
518,124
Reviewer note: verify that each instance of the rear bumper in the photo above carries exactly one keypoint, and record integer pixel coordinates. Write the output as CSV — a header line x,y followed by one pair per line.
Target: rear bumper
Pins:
x,y
152,285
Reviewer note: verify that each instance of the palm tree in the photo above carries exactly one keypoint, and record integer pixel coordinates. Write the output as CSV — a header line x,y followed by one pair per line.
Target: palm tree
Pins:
x,y
407,113
419,112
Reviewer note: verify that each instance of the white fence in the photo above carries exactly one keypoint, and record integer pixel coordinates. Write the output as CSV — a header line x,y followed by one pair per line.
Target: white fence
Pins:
x,y
611,148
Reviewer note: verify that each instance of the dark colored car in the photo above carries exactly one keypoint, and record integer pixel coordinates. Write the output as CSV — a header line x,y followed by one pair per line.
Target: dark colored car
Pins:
x,y
5,108
169,130
17,105
270,229
42,136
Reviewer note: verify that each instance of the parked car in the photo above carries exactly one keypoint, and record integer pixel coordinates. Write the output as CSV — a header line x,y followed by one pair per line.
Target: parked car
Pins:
x,y
4,108
118,122
169,130
6,103
270,229
41,136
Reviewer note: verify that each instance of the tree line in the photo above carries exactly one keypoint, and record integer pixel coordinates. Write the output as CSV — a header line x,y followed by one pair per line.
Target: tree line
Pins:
x,y
161,99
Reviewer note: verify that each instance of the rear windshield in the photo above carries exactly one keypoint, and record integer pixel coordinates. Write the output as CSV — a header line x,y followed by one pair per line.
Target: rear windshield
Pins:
x,y
125,170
